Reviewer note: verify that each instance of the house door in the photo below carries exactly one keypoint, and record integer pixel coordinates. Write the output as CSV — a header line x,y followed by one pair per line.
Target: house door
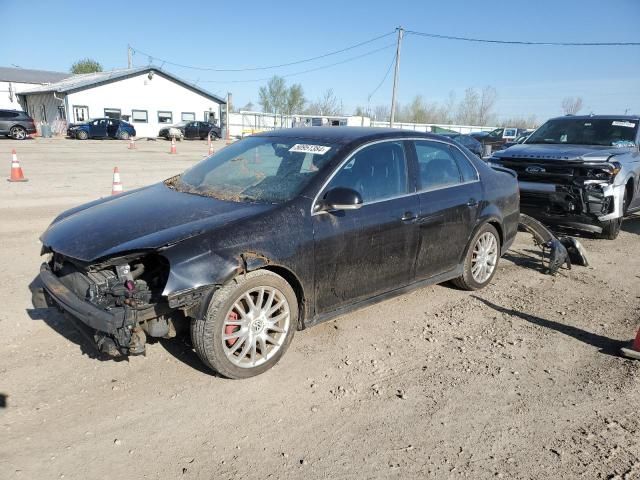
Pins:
x,y
80,113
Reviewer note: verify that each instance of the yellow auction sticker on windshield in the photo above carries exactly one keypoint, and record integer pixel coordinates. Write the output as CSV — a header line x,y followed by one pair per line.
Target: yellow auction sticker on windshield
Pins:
x,y
304,148
623,124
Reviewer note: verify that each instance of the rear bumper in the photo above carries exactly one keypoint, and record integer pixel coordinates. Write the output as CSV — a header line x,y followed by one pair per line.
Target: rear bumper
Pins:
x,y
108,321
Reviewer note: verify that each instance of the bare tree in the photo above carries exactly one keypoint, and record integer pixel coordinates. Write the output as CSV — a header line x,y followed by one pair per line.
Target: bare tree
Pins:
x,y
327,104
487,103
381,113
520,122
468,108
571,105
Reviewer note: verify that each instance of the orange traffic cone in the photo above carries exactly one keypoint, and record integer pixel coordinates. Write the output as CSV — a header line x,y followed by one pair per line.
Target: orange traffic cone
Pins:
x,y
210,145
116,186
16,169
132,144
634,351
173,145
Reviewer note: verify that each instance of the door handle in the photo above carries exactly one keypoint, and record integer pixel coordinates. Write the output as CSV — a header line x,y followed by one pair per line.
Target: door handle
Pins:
x,y
472,202
408,217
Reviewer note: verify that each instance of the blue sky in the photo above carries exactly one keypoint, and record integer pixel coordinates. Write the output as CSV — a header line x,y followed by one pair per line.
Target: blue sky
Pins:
x,y
530,80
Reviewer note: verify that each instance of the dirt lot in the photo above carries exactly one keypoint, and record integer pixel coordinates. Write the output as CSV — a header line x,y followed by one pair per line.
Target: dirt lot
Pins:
x,y
520,380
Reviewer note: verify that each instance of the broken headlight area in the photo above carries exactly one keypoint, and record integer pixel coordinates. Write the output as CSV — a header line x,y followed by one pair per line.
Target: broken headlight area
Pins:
x,y
137,284
126,293
590,199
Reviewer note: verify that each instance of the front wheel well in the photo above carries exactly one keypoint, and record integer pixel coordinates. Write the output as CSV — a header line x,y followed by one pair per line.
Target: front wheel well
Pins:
x,y
295,283
629,187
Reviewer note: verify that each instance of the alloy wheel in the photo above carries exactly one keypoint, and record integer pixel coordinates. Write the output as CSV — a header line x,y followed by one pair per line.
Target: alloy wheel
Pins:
x,y
256,327
485,257
18,133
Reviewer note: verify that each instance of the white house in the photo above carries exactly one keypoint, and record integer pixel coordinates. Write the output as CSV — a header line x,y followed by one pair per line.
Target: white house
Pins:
x,y
13,80
147,97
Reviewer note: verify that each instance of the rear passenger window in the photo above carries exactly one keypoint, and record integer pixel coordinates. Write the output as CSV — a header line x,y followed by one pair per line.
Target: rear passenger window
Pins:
x,y
377,172
469,173
438,168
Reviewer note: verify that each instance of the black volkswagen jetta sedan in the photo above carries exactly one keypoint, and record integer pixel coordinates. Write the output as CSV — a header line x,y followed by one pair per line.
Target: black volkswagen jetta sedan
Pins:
x,y
275,233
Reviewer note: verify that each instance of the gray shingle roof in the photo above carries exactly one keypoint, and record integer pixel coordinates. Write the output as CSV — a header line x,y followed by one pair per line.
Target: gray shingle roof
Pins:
x,y
25,75
87,80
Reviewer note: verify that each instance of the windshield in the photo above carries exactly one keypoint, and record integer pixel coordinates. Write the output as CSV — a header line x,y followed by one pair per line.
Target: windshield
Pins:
x,y
257,169
591,131
179,124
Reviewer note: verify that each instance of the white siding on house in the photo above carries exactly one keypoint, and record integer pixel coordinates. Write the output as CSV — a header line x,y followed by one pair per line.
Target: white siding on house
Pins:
x,y
154,95
8,97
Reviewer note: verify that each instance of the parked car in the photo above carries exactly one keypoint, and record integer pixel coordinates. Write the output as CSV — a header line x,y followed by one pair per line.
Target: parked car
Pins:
x,y
518,140
190,130
497,137
579,172
277,232
467,141
101,128
16,124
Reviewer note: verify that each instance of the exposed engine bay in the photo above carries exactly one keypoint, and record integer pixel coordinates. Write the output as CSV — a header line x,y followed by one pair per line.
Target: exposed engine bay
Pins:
x,y
129,292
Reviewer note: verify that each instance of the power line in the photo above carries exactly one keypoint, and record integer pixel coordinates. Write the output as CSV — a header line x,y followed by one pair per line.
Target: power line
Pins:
x,y
268,67
351,59
519,42
393,60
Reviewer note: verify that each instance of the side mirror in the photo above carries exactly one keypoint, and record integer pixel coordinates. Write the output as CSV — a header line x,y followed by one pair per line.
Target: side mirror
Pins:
x,y
340,198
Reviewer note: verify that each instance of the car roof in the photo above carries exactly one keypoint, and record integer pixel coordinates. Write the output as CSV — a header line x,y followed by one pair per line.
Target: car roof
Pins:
x,y
345,134
598,117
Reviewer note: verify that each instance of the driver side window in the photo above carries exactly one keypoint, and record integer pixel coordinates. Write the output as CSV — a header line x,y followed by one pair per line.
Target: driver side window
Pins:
x,y
378,172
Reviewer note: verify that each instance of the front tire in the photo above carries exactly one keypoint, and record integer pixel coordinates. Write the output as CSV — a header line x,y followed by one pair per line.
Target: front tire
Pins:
x,y
18,133
124,135
82,135
248,326
480,260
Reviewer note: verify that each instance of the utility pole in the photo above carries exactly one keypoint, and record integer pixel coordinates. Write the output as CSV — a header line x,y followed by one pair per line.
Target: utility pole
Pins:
x,y
395,77
129,57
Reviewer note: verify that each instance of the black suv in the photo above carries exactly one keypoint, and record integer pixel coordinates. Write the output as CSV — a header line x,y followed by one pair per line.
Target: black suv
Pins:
x,y
16,124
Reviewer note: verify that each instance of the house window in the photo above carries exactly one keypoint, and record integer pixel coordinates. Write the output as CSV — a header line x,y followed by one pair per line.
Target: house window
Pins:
x,y
139,116
112,113
62,114
165,117
81,113
43,113
188,116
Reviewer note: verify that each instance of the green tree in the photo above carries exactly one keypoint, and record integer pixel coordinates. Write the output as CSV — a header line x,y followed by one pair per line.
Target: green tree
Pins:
x,y
276,97
86,65
295,99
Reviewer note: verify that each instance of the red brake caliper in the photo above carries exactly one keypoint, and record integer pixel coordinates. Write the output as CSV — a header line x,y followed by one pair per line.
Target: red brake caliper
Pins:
x,y
229,329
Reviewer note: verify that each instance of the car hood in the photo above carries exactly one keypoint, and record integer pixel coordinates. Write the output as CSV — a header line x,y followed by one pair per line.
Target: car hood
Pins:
x,y
79,124
144,219
577,153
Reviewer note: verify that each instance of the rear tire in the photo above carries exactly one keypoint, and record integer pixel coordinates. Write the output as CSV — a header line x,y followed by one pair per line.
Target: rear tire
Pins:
x,y
480,259
18,133
231,321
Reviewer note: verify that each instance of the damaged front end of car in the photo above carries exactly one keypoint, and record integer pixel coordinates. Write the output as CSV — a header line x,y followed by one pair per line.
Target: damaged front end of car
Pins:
x,y
120,299
574,194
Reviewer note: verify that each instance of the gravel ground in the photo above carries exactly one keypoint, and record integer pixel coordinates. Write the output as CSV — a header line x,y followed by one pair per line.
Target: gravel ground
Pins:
x,y
518,381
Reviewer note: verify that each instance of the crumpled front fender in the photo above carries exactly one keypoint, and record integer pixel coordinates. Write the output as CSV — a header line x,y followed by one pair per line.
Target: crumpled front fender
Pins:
x,y
194,266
